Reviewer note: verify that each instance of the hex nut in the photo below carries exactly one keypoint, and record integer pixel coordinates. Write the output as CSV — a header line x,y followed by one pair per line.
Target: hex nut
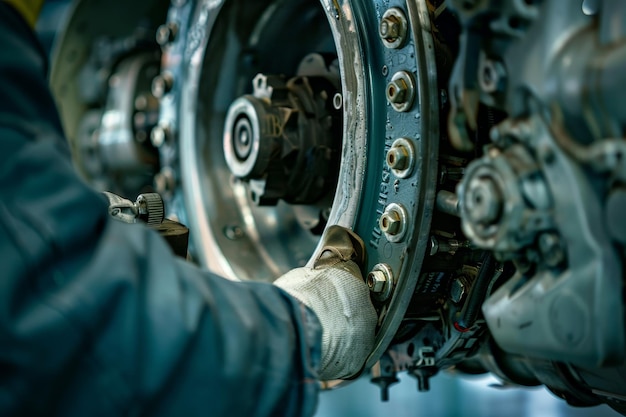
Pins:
x,y
398,157
166,33
393,28
397,91
390,222
400,91
162,84
376,281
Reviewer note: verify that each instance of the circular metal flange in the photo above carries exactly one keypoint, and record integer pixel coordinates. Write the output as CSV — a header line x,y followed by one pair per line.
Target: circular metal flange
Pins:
x,y
243,148
220,59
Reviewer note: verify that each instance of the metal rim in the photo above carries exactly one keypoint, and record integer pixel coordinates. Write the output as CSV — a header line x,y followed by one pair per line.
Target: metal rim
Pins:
x,y
211,66
370,127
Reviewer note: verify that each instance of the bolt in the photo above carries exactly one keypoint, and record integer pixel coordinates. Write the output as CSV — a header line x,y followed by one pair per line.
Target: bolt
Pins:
x,y
457,290
159,135
401,91
398,157
393,28
376,281
162,84
391,222
551,249
397,91
233,232
483,200
491,76
389,28
166,33
434,246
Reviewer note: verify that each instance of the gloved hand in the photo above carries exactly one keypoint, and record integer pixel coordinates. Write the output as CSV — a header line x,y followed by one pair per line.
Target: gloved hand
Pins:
x,y
334,289
29,9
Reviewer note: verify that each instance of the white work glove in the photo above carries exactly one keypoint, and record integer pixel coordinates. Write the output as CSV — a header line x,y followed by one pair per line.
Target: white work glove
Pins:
x,y
334,289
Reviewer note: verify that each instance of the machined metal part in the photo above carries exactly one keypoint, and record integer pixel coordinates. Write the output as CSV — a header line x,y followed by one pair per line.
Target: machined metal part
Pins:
x,y
569,128
381,282
103,71
401,157
447,202
394,222
147,208
273,239
284,139
533,175
562,309
504,200
401,91
393,28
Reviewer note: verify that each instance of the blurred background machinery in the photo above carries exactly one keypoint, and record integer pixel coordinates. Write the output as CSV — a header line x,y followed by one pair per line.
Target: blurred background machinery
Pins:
x,y
477,147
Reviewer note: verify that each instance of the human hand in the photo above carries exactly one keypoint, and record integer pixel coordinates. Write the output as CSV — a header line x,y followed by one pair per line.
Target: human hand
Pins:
x,y
334,289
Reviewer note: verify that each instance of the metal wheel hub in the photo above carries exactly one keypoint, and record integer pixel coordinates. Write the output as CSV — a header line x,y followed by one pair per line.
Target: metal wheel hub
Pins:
x,y
284,139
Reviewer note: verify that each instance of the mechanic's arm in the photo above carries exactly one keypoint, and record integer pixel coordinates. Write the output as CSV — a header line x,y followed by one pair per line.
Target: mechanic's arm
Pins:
x,y
97,318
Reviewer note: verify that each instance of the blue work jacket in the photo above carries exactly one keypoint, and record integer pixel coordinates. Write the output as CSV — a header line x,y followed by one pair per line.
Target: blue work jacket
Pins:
x,y
97,317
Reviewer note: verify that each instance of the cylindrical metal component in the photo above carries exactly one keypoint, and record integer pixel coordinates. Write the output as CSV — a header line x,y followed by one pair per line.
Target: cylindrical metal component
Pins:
x,y
447,202
393,28
483,200
160,135
150,208
551,249
376,281
401,157
397,91
457,290
390,222
166,33
380,282
477,294
162,84
401,91
491,76
393,222
398,158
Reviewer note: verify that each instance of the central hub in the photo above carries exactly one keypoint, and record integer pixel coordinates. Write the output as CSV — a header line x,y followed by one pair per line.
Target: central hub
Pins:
x,y
285,138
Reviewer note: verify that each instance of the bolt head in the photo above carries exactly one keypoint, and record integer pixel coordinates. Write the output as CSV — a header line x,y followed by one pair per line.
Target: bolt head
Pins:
x,y
158,136
376,281
166,33
390,222
398,157
397,91
389,28
551,249
162,84
457,291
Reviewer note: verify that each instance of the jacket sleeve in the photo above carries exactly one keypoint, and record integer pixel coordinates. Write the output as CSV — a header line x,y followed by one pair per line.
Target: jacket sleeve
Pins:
x,y
97,318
